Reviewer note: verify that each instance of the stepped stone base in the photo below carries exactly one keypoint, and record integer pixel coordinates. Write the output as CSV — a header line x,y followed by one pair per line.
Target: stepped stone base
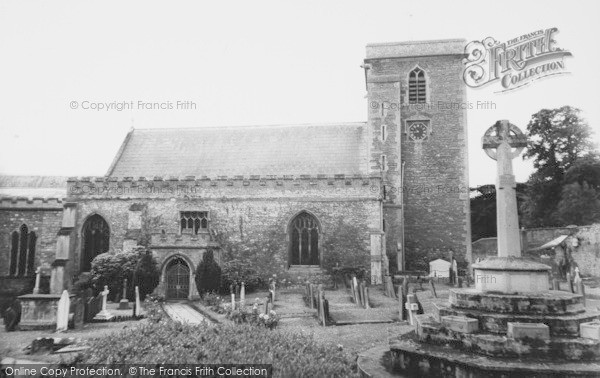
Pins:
x,y
551,302
566,349
410,357
560,325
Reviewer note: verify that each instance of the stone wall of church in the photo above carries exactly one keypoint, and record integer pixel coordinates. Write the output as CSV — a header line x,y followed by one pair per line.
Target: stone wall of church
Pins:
x,y
255,211
43,217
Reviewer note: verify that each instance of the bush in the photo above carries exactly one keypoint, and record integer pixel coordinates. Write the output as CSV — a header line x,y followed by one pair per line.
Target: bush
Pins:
x,y
137,265
146,275
208,274
153,308
345,247
292,355
237,271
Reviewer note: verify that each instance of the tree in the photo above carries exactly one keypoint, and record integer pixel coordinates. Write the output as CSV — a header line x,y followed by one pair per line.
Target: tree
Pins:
x,y
208,274
585,169
579,204
483,210
558,139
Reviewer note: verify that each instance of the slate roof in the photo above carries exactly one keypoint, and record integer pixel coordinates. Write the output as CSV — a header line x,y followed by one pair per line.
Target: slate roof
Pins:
x,y
246,150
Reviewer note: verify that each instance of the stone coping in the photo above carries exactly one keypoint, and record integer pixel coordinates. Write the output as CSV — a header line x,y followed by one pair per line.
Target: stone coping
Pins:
x,y
510,264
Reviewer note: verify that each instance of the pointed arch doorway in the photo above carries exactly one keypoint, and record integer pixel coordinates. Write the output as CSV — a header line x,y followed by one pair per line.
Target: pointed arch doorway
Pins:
x,y
95,235
304,234
177,278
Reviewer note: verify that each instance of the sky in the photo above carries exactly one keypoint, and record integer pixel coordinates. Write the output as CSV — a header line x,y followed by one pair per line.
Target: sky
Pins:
x,y
248,63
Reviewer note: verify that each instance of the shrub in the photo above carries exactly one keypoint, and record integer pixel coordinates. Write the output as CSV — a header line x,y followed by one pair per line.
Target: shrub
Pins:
x,y
111,269
146,274
212,299
237,271
208,274
292,355
153,308
345,247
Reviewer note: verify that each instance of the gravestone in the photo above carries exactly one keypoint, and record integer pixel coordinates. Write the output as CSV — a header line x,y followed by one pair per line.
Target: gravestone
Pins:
x,y
439,268
38,274
104,314
124,302
355,289
62,315
243,295
272,289
137,311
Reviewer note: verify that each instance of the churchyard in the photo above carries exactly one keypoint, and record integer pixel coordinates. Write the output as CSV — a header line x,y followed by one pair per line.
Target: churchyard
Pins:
x,y
352,329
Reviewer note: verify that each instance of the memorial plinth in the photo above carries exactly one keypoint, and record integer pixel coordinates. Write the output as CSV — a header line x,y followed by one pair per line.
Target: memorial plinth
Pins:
x,y
510,275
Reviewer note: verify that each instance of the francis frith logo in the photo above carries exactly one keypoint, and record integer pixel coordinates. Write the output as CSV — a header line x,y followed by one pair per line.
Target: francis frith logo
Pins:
x,y
514,63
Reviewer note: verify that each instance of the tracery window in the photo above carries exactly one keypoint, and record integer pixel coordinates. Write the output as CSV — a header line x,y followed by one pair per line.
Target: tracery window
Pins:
x,y
193,221
304,240
22,252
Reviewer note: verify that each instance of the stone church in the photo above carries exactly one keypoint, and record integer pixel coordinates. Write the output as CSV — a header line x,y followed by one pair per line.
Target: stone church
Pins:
x,y
398,180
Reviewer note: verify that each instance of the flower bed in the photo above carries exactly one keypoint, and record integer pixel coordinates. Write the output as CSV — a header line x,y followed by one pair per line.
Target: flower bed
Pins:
x,y
242,314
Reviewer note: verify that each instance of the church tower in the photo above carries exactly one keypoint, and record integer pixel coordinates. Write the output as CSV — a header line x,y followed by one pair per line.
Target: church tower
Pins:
x,y
418,143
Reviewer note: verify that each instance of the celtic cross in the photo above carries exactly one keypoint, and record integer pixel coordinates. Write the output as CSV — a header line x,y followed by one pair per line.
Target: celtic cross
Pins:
x,y
503,142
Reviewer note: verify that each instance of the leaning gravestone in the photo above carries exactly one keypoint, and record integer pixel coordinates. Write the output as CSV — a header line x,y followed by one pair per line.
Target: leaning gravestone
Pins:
x,y
62,315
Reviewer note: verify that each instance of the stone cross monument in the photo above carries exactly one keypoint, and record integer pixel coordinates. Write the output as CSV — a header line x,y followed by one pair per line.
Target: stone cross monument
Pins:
x,y
507,273
504,142
124,302
104,314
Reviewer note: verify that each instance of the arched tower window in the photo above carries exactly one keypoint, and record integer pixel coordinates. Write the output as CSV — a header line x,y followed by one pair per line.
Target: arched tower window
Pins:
x,y
304,240
417,87
22,252
95,240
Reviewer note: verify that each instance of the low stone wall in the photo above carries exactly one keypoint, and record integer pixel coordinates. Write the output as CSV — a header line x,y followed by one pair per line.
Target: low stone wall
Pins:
x,y
586,255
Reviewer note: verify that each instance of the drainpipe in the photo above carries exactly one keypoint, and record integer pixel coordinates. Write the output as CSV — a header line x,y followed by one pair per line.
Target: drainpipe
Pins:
x,y
403,252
